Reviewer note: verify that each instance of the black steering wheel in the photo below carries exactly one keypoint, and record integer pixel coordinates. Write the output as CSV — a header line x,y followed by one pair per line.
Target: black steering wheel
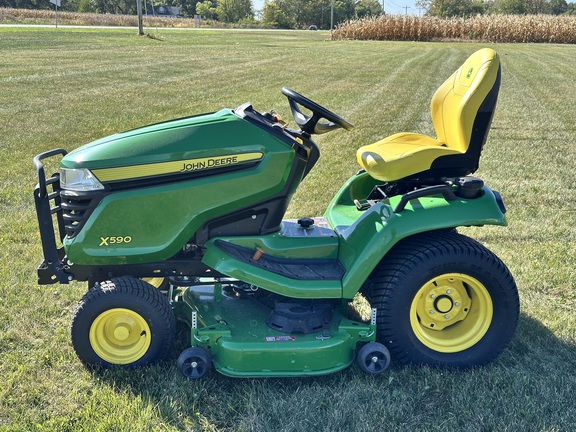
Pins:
x,y
312,124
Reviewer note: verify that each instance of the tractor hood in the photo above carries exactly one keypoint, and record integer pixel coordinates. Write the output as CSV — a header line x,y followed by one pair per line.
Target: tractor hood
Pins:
x,y
210,141
141,196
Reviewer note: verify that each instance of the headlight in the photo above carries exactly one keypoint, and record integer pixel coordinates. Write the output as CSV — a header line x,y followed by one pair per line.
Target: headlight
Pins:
x,y
79,180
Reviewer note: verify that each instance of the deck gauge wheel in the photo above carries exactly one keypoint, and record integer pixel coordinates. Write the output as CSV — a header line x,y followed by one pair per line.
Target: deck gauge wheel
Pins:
x,y
194,362
373,358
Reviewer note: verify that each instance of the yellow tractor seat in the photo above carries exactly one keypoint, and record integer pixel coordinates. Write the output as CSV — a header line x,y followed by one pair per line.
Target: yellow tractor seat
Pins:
x,y
462,110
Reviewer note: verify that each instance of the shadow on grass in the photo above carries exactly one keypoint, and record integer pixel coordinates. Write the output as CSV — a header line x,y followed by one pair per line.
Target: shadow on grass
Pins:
x,y
526,387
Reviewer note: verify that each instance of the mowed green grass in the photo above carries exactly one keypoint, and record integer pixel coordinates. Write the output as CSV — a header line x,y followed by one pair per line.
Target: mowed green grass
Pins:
x,y
63,88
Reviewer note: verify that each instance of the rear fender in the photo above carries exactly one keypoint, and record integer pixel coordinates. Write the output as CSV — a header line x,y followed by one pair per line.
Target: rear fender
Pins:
x,y
365,242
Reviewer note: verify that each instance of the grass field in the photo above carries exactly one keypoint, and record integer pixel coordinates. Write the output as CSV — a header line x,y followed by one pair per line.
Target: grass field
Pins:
x,y
63,88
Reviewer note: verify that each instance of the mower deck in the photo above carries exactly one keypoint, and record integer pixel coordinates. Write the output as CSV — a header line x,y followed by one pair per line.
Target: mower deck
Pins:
x,y
234,329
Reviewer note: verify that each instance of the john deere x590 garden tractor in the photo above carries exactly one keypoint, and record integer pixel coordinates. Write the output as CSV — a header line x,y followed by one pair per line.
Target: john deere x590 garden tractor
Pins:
x,y
185,220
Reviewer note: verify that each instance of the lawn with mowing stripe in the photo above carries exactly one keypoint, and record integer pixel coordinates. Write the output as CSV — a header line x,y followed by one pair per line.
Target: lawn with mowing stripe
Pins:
x,y
64,87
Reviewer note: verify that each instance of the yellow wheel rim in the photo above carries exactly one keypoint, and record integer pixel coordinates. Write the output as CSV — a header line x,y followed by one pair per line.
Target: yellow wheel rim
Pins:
x,y
451,313
120,336
156,282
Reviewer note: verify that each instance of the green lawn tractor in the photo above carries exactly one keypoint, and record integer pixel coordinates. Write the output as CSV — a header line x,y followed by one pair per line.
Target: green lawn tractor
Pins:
x,y
185,220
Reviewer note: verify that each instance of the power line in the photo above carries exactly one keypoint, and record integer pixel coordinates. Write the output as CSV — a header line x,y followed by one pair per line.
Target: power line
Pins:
x,y
394,4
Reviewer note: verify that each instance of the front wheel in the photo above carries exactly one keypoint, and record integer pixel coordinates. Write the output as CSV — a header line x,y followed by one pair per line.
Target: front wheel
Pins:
x,y
123,321
444,300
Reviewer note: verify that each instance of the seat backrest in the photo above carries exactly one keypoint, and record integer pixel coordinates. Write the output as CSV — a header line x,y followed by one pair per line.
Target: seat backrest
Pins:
x,y
462,108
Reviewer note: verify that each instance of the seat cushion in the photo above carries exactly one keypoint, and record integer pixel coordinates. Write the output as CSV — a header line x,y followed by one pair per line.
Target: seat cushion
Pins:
x,y
401,155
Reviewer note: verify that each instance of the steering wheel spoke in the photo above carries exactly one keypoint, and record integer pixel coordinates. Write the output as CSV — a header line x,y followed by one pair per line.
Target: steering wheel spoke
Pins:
x,y
311,124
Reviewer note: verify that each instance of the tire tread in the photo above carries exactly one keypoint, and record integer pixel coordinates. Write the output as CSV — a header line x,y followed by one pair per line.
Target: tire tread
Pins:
x,y
125,287
411,254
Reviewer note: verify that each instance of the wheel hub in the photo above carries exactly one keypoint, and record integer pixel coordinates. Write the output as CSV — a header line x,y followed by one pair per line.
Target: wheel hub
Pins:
x,y
120,336
121,333
443,302
451,312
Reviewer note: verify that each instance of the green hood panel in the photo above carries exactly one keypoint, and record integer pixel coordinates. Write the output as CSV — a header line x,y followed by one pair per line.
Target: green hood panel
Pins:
x,y
160,220
166,181
204,136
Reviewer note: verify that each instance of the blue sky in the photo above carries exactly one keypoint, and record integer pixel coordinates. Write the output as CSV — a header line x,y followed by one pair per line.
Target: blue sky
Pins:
x,y
396,7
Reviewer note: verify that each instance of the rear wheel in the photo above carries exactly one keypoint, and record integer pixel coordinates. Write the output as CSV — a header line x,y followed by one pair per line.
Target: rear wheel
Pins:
x,y
124,321
444,300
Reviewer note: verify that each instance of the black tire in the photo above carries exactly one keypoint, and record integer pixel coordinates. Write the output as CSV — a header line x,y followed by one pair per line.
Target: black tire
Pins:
x,y
123,321
194,362
373,358
443,300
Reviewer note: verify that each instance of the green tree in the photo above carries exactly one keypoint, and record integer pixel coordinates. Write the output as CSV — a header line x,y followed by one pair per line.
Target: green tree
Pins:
x,y
126,7
302,13
26,4
317,13
522,7
234,10
364,8
343,10
206,9
558,7
274,14
310,12
450,8
86,6
188,6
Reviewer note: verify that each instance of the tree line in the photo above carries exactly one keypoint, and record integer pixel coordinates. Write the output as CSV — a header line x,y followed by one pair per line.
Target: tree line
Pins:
x,y
275,13
292,14
467,8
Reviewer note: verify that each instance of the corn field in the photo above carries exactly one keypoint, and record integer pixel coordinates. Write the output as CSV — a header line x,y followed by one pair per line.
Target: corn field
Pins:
x,y
484,28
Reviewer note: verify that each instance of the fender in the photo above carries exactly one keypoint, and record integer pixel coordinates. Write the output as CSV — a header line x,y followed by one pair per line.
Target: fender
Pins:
x,y
365,240
351,252
358,242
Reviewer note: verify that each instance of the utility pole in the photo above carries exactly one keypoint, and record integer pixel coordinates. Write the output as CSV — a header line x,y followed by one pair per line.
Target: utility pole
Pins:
x,y
56,3
332,17
406,8
139,12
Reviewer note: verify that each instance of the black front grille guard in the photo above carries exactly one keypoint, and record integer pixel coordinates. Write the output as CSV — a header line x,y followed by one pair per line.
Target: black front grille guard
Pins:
x,y
71,211
48,202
